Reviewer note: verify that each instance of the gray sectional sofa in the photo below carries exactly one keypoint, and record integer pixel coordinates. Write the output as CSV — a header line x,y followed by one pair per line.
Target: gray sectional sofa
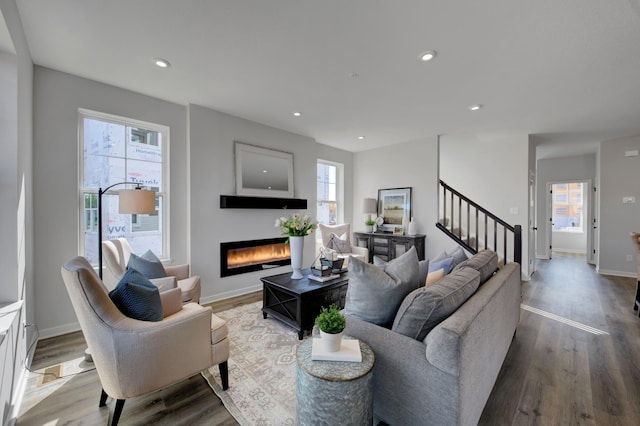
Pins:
x,y
447,377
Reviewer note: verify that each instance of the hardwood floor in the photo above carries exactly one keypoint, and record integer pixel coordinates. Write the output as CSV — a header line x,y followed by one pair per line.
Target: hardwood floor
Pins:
x,y
557,372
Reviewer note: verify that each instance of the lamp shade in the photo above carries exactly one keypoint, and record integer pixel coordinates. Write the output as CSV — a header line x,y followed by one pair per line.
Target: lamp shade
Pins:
x,y
369,205
137,201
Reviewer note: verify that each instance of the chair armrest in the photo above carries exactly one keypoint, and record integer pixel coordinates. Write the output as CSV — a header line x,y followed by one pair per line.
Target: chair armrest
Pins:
x,y
171,301
181,272
362,251
165,283
145,353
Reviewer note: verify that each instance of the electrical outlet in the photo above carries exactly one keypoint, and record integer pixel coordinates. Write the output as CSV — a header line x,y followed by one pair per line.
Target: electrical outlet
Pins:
x,y
629,258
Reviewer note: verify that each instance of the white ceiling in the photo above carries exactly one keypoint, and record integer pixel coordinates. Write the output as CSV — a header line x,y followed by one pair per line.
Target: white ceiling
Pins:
x,y
567,71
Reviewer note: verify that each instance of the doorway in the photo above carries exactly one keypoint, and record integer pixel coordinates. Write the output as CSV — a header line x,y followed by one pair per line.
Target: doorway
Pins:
x,y
570,215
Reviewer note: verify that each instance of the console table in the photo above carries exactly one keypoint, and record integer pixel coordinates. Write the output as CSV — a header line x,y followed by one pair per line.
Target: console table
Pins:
x,y
298,302
388,246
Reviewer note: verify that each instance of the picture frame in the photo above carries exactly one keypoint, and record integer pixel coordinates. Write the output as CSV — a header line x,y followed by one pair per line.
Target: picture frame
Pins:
x,y
398,230
394,205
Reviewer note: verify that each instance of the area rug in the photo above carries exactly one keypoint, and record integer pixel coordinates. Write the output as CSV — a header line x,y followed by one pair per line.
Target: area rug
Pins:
x,y
262,368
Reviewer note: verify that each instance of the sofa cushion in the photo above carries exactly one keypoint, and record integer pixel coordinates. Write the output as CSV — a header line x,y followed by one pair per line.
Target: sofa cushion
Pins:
x,y
485,262
374,294
148,265
136,297
426,307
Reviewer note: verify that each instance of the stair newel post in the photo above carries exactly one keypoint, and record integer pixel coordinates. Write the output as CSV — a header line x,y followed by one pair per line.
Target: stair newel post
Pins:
x,y
517,244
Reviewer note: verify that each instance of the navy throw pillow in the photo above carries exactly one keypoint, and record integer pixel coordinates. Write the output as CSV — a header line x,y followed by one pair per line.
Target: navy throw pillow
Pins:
x,y
148,265
136,297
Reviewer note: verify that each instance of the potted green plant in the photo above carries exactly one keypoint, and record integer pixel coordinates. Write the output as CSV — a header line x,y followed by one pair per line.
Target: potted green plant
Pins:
x,y
331,324
369,225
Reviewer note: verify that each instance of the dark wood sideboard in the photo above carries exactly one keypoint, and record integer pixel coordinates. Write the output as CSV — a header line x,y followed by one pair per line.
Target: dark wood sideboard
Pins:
x,y
388,246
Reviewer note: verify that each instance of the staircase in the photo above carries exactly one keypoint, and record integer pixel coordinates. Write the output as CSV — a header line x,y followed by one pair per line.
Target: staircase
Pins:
x,y
475,228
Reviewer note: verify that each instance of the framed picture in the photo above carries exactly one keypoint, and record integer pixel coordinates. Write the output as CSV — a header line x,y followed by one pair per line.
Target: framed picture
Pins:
x,y
394,204
398,230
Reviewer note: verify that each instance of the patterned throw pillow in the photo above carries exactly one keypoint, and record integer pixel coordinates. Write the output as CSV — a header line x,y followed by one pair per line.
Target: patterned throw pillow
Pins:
x,y
148,265
136,297
339,244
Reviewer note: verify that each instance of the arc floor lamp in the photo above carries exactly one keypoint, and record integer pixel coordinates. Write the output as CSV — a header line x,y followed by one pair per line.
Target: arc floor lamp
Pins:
x,y
131,201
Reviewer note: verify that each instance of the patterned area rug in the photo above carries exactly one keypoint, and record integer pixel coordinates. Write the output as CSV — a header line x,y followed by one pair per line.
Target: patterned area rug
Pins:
x,y
262,368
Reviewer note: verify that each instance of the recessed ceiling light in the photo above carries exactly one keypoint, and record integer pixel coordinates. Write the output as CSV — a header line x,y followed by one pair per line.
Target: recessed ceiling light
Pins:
x,y
360,137
475,107
427,56
297,114
162,63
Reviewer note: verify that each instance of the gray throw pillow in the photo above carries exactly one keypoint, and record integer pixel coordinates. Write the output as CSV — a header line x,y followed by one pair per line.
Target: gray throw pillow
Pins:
x,y
458,256
148,265
423,268
136,297
426,307
374,294
485,262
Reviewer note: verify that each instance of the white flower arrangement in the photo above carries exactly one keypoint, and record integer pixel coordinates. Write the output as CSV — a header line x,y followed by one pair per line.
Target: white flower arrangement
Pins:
x,y
296,225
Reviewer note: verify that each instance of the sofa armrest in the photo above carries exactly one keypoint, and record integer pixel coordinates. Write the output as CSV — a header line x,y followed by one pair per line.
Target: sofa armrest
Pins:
x,y
181,272
362,251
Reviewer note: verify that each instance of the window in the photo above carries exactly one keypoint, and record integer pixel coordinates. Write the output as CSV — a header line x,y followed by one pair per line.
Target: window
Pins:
x,y
116,149
568,207
327,193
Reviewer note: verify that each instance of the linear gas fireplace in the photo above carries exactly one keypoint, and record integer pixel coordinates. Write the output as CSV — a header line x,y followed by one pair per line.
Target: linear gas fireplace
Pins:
x,y
239,257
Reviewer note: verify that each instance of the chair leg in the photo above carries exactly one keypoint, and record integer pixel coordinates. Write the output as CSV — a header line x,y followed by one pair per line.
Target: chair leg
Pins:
x,y
224,374
117,412
103,399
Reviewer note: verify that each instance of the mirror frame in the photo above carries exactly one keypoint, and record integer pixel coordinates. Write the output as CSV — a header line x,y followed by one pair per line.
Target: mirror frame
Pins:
x,y
241,149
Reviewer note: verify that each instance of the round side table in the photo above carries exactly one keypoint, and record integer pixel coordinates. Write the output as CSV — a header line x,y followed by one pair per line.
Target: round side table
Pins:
x,y
334,392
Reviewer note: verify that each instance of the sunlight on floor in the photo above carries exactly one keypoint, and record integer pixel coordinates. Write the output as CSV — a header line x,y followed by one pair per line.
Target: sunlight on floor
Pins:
x,y
563,320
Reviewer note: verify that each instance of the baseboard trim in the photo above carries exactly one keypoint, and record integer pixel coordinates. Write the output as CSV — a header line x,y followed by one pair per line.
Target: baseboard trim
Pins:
x,y
58,331
616,273
572,251
229,294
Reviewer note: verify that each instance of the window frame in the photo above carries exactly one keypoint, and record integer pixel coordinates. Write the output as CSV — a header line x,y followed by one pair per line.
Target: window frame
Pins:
x,y
339,189
162,195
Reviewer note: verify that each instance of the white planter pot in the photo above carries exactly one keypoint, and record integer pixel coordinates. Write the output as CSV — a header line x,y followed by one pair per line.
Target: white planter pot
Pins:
x,y
331,342
296,244
368,229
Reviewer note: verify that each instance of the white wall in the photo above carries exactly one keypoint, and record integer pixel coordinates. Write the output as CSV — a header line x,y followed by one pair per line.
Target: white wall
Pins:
x,y
493,171
16,219
212,136
555,170
57,97
413,164
619,177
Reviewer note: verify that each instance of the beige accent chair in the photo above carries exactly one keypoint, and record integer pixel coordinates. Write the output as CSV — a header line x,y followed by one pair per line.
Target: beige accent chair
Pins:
x,y
135,357
116,253
340,230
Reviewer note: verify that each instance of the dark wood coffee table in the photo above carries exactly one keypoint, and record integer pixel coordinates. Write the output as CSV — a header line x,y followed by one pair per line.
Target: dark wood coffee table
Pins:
x,y
297,303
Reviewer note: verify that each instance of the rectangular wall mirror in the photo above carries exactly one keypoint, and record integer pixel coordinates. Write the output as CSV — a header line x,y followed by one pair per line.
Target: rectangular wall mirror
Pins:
x,y
263,172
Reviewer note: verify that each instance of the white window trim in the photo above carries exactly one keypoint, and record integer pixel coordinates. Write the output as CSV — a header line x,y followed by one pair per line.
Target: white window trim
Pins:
x,y
339,187
165,193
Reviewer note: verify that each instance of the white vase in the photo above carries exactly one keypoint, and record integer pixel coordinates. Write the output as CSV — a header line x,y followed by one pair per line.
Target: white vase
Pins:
x,y
368,228
295,247
331,342
412,228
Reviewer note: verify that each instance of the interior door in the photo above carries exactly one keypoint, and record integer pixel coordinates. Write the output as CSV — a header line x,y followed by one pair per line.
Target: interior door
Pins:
x,y
532,224
549,220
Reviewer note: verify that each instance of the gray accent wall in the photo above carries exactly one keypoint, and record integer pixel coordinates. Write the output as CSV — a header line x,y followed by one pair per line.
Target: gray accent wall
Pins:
x,y
212,166
413,164
57,97
619,177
